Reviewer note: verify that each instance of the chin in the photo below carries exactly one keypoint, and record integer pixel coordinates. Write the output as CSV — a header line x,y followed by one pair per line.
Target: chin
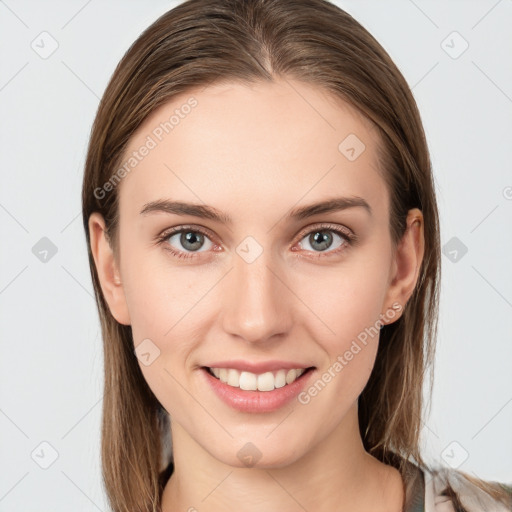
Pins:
x,y
260,453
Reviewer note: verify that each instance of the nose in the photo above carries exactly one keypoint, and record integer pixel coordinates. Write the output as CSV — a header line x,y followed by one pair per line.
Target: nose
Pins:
x,y
257,304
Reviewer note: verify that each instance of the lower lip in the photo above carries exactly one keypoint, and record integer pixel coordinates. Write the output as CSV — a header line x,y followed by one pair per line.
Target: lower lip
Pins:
x,y
257,401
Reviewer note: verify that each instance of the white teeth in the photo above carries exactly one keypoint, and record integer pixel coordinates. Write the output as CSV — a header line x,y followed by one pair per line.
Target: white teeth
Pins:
x,y
233,378
280,379
291,376
266,382
248,381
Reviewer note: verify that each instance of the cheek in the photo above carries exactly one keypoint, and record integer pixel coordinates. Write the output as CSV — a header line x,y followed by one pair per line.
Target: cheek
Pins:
x,y
350,355
349,302
169,309
159,296
161,304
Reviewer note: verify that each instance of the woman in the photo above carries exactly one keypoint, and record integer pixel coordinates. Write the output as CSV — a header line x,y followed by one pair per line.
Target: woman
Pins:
x,y
264,244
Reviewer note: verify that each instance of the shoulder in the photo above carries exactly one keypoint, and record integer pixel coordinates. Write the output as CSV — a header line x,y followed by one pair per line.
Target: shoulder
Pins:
x,y
451,490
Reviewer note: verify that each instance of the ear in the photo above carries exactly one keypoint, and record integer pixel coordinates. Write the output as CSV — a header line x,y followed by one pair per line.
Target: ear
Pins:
x,y
406,265
107,268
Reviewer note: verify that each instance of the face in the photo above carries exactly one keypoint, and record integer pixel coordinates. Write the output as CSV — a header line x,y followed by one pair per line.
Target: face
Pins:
x,y
251,278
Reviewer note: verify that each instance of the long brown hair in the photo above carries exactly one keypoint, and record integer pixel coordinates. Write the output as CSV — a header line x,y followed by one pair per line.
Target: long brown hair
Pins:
x,y
201,42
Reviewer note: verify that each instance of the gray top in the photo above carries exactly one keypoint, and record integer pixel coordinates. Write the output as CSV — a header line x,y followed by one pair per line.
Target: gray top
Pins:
x,y
438,490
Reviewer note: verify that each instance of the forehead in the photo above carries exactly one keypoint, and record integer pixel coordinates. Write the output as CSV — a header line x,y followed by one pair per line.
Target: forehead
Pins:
x,y
238,142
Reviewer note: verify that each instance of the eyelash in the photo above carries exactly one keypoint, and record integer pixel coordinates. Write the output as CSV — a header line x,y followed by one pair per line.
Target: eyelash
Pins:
x,y
348,237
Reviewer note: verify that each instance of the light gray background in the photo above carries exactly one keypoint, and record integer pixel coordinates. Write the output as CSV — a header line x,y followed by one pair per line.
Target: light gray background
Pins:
x,y
51,357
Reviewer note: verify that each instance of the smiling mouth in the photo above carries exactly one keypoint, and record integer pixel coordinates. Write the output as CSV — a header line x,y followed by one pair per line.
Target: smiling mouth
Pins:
x,y
249,381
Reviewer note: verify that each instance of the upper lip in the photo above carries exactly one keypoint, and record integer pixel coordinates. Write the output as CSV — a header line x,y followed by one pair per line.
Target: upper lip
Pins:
x,y
258,368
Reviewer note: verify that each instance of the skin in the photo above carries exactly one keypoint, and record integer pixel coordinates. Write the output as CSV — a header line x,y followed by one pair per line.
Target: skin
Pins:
x,y
255,153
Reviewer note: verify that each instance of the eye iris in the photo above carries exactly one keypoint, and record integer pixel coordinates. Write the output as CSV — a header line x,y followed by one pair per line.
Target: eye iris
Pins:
x,y
192,238
324,238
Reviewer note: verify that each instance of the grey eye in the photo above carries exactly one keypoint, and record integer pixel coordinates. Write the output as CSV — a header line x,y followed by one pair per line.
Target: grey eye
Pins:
x,y
321,239
189,240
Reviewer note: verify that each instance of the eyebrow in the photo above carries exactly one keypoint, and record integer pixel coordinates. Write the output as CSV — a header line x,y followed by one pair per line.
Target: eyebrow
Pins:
x,y
208,212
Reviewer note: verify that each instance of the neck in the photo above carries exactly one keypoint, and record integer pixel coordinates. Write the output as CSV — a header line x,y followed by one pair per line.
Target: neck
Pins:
x,y
337,474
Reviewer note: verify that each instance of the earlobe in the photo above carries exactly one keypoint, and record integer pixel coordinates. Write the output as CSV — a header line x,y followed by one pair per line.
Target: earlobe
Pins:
x,y
407,261
107,269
